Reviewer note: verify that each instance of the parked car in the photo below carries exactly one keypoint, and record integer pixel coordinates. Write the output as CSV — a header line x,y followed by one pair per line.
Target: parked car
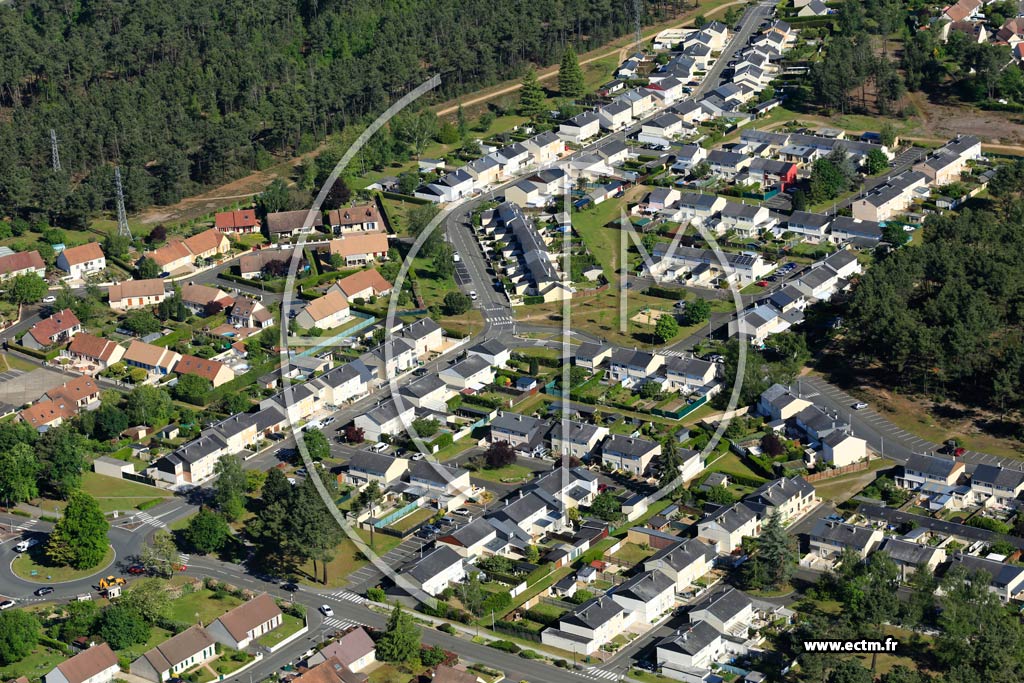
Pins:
x,y
26,544
136,569
463,511
860,405
290,587
6,604
49,299
326,610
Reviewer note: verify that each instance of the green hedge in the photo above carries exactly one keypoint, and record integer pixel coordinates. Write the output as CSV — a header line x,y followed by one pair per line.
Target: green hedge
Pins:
x,y
275,286
147,504
405,198
41,355
528,300
666,293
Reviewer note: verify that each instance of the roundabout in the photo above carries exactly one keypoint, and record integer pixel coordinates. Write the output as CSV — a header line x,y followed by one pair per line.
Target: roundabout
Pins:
x,y
32,566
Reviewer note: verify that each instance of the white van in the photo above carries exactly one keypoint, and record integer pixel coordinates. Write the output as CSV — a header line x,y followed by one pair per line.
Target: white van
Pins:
x,y
25,545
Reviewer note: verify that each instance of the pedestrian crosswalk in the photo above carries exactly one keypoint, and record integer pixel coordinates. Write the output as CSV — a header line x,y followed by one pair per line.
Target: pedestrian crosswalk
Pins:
x,y
340,624
147,519
595,673
28,524
184,558
349,596
673,352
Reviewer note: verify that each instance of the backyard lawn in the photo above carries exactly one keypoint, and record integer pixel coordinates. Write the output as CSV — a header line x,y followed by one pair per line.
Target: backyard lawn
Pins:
x,y
730,463
506,474
413,518
633,554
157,635
119,494
40,661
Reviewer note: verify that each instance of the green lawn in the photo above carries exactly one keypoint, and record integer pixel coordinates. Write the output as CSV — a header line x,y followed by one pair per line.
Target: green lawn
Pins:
x,y
506,474
157,635
201,606
40,661
35,560
413,518
289,625
632,554
119,494
347,559
730,463
457,447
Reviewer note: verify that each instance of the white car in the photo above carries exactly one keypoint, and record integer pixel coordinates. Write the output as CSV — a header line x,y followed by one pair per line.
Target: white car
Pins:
x,y
472,294
326,610
860,405
26,544
6,604
49,299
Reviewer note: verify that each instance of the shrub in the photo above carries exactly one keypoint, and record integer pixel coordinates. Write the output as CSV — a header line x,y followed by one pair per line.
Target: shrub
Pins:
x,y
529,654
505,646
447,628
376,594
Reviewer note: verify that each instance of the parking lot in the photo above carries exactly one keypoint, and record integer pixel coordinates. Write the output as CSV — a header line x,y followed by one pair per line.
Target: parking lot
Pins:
x,y
18,388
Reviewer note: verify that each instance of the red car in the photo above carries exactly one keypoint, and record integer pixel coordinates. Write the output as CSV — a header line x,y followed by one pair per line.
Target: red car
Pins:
x,y
762,283
136,569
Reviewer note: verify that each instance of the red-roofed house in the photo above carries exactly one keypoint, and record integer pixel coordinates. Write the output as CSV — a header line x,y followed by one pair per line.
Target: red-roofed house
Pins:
x,y
243,221
82,260
46,414
213,370
92,349
172,256
58,328
962,10
208,244
81,392
362,218
21,263
363,285
327,312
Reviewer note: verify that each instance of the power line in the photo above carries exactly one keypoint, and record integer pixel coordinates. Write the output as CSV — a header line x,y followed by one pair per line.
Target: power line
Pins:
x,y
54,152
122,217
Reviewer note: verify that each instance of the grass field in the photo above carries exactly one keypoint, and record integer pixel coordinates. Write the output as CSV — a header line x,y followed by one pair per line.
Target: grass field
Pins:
x,y
505,474
35,560
730,463
40,661
201,605
289,625
413,518
119,494
632,554
347,559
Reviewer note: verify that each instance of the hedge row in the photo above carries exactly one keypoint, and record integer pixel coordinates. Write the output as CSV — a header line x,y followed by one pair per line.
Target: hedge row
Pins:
x,y
41,355
275,286
666,293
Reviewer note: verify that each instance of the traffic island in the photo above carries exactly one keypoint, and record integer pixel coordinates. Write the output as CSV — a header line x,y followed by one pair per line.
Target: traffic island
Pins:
x,y
33,565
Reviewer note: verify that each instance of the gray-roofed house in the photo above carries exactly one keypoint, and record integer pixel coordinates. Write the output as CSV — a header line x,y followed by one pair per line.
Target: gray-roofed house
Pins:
x,y
729,611
921,470
473,372
684,561
726,526
429,392
367,466
492,351
1007,581
790,498
438,479
523,432
386,418
690,651
631,366
688,374
191,647
588,627
629,454
910,556
650,594
829,538
1001,485
592,355
436,570
470,540
576,439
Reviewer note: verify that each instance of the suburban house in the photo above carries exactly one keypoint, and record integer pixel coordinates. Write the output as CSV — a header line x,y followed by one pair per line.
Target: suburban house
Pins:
x,y
746,220
1007,580
790,498
78,262
428,392
632,366
910,556
191,647
471,373
190,463
492,351
829,538
890,199
840,448
544,147
203,300
97,350
729,611
683,561
367,466
290,223
692,205
252,265
390,359
359,218
575,439
616,115
326,312
995,485
133,294
425,336
385,418
81,392
207,244
97,664
591,355
365,285
441,482
154,359
242,625
846,229
21,263
57,329
343,383
355,650
248,312
921,470
726,526
811,227
580,127
629,454
241,222
357,249
588,627
214,371
648,595
523,432
688,374
435,571
693,647
727,164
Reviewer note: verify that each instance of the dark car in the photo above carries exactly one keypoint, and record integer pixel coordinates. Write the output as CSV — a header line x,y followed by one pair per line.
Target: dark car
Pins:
x,y
290,587
45,590
419,372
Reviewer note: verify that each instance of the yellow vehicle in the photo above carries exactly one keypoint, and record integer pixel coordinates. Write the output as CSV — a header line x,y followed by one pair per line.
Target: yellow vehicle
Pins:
x,y
111,581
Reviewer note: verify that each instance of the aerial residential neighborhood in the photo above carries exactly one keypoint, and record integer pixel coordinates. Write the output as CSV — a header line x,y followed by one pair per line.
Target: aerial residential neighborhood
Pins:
x,y
430,341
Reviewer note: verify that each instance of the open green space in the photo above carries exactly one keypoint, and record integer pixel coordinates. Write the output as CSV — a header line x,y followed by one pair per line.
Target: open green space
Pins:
x,y
633,554
119,494
730,463
40,661
506,474
201,606
35,566
157,635
413,518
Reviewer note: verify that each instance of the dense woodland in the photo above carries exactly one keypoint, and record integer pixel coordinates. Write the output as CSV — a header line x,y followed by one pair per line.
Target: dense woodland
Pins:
x,y
192,93
946,318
